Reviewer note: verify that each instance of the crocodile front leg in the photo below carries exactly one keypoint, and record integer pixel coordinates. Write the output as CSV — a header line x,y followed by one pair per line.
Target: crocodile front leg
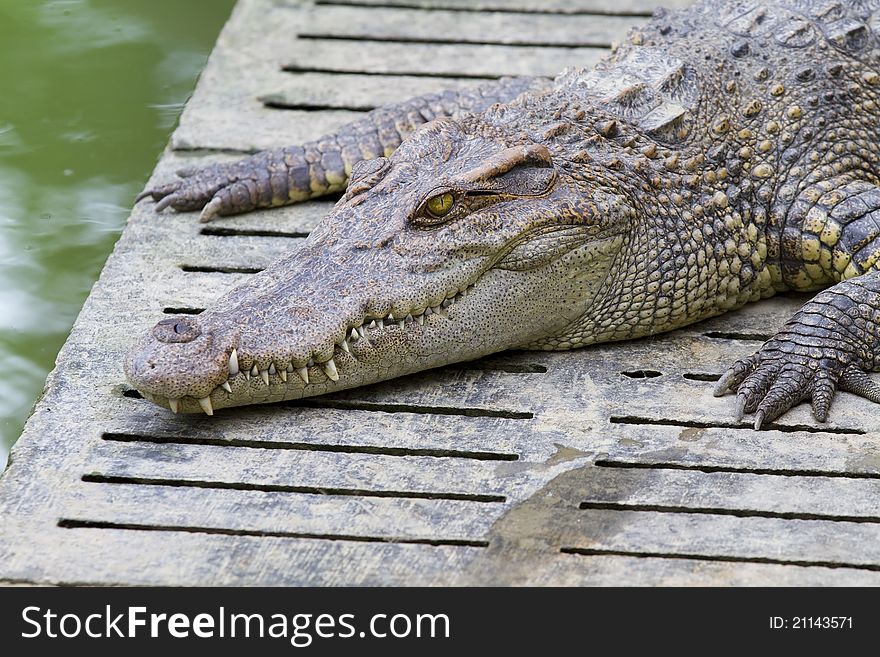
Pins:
x,y
300,172
834,339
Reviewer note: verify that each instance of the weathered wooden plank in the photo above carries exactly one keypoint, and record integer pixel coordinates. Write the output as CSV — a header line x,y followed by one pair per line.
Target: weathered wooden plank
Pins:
x,y
117,556
636,7
580,570
816,542
105,556
732,492
436,59
300,469
439,26
423,432
357,91
270,512
745,449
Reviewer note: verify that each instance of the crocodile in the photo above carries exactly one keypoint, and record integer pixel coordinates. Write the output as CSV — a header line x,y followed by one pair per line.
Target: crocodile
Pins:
x,y
721,154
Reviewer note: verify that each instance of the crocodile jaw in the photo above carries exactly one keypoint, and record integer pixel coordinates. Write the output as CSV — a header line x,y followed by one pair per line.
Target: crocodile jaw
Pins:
x,y
500,309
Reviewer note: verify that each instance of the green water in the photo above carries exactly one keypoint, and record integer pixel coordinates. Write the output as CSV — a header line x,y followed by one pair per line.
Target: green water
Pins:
x,y
89,92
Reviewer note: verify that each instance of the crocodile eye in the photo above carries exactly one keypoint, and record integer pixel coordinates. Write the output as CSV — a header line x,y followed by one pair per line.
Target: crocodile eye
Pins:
x,y
440,205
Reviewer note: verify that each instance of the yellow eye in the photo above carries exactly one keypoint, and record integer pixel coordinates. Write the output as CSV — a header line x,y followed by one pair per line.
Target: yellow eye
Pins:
x,y
440,205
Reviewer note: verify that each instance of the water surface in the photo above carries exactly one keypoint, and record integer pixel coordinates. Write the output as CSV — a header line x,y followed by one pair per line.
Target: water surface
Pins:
x,y
89,92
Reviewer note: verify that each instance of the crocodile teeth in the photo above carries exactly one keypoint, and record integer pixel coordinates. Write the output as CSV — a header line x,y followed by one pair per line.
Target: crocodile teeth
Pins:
x,y
272,369
255,370
205,403
225,385
233,363
247,375
372,324
173,404
355,336
344,345
290,367
283,375
421,319
330,370
401,322
311,362
303,373
264,374
380,323
446,303
362,331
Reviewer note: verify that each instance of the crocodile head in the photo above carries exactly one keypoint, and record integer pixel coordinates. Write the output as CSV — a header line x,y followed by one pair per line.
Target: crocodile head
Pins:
x,y
457,246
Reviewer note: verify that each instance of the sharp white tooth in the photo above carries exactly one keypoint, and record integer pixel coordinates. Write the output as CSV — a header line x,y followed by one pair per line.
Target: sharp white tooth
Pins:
x,y
255,370
420,319
362,331
330,370
173,404
446,303
303,373
290,367
428,311
247,375
264,374
409,318
380,323
225,385
344,345
233,363
372,324
272,369
205,403
390,317
311,362
283,375
355,336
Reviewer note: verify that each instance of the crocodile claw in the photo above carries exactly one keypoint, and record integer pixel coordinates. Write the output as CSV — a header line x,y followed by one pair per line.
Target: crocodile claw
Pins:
x,y
788,370
196,189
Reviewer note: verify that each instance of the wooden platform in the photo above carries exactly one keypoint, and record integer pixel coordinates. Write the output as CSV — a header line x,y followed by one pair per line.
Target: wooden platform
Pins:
x,y
612,465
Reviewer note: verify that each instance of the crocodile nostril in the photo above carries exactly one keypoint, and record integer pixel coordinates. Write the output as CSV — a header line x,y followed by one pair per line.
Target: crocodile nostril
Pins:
x,y
177,329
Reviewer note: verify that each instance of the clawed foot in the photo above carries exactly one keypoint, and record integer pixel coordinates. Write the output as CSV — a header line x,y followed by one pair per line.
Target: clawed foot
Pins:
x,y
216,190
785,372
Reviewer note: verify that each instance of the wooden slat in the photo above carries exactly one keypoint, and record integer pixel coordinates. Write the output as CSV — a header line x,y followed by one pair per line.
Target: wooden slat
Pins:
x,y
100,556
117,556
437,26
257,467
637,7
266,513
733,492
745,449
436,59
484,438
359,91
682,534
579,570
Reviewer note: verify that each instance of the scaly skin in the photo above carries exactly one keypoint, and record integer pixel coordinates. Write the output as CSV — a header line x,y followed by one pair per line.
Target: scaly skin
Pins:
x,y
726,152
